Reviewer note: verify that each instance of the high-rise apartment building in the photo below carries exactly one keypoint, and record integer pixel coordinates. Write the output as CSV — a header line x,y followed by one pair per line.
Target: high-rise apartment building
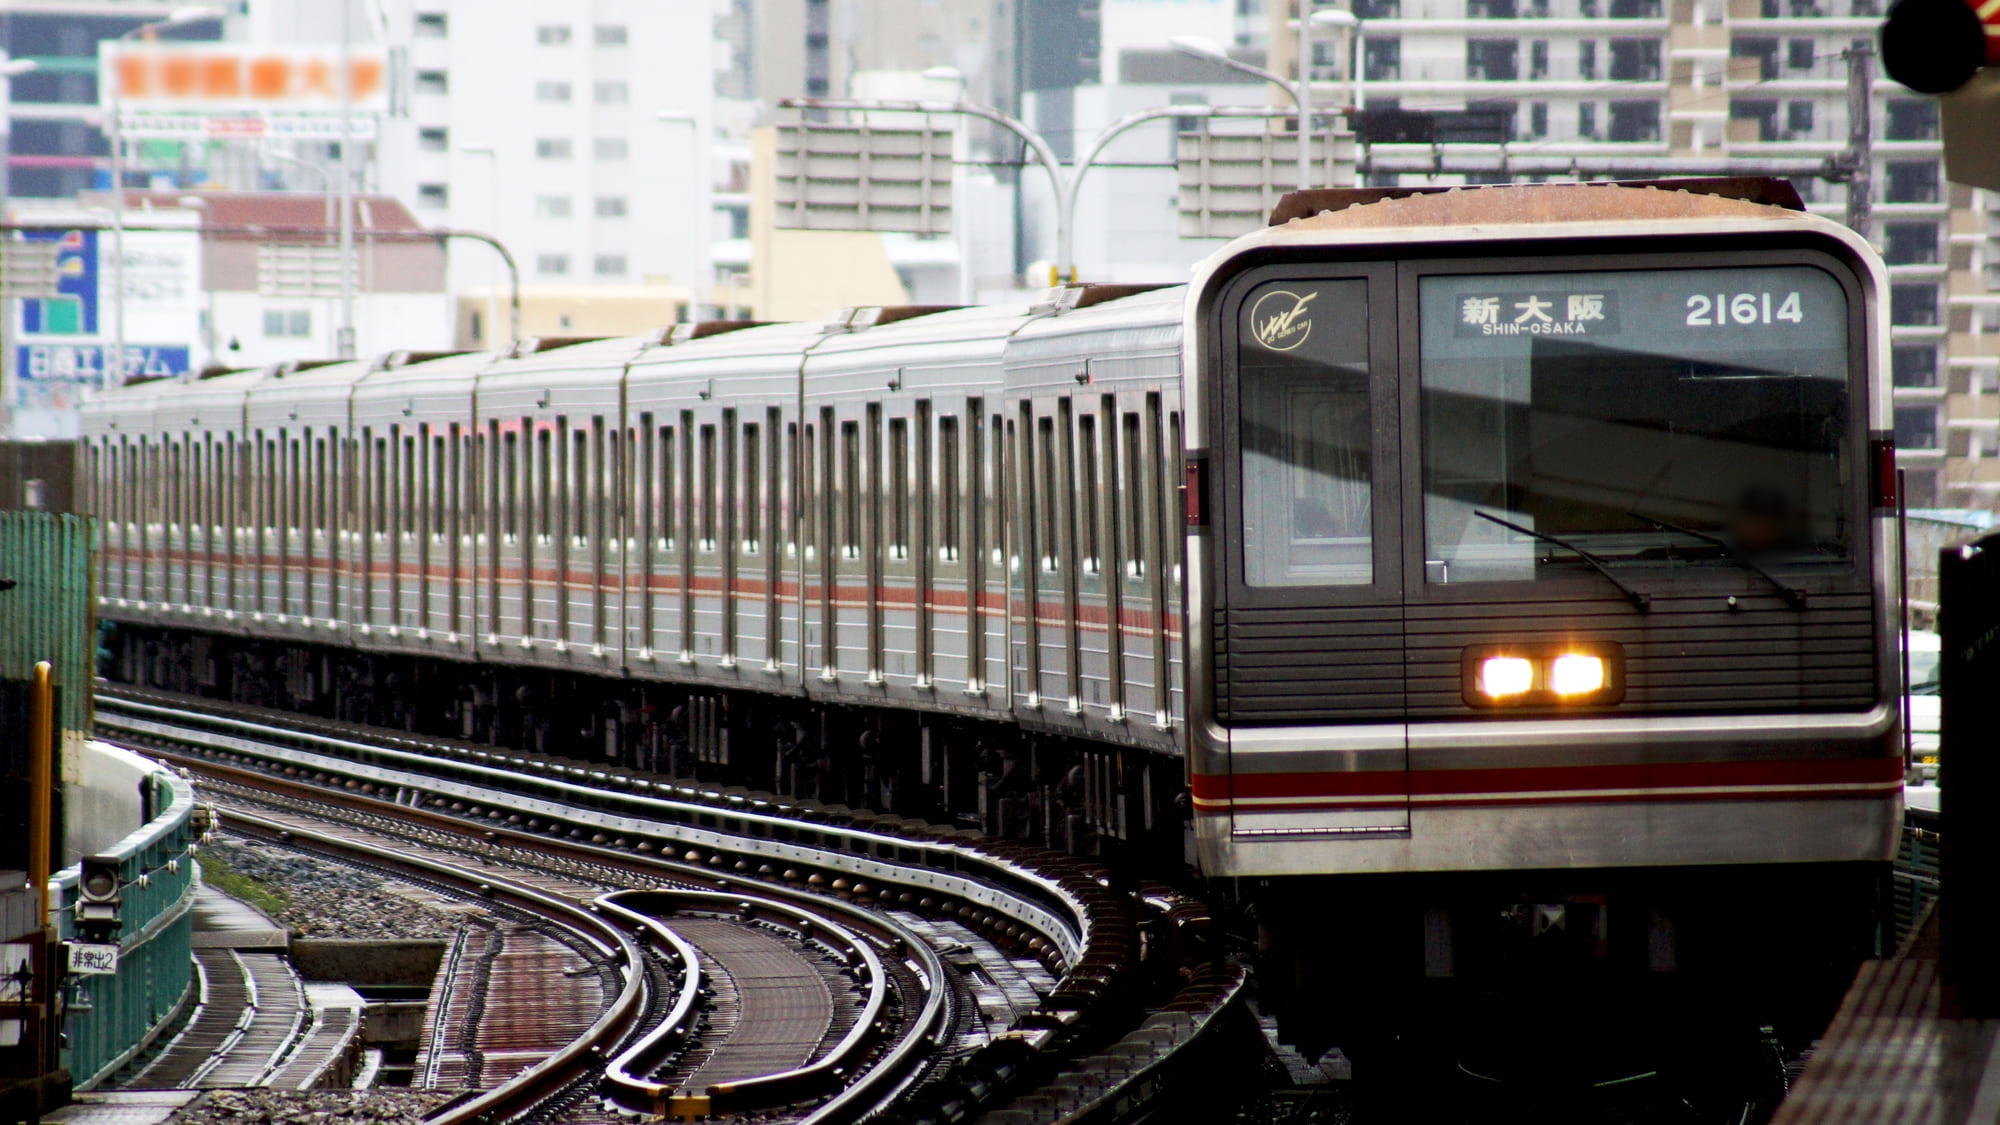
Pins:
x,y
1727,83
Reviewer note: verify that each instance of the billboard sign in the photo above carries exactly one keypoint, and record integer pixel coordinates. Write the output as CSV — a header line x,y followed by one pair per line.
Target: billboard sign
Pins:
x,y
63,341
194,90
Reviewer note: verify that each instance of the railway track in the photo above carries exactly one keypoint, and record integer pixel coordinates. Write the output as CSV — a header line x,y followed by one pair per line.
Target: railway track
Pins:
x,y
1095,1037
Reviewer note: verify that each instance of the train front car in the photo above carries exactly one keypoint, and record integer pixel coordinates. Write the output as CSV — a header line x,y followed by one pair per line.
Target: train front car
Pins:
x,y
1542,544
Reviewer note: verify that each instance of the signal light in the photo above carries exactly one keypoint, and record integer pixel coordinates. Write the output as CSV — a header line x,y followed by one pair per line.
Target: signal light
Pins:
x,y
1936,46
98,895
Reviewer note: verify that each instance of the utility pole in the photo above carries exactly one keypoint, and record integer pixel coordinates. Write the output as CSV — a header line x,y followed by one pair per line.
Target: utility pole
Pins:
x,y
1860,135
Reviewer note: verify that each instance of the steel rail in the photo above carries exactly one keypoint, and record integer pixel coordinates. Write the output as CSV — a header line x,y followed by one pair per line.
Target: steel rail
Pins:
x,y
559,1071
1071,936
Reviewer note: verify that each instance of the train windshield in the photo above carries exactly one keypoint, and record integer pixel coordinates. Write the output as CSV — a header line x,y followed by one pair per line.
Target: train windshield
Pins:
x,y
1656,419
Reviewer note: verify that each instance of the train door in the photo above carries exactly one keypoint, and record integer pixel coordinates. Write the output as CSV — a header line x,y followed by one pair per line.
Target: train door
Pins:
x,y
1308,630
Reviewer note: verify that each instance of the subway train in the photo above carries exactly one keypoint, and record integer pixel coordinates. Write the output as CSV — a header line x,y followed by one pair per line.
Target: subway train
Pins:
x,y
1477,586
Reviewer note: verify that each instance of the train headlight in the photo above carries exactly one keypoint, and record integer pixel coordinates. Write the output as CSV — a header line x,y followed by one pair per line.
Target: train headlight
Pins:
x,y
1504,676
1560,674
1576,673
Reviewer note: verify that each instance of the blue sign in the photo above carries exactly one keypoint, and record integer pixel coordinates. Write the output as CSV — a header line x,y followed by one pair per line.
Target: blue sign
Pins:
x,y
84,363
73,310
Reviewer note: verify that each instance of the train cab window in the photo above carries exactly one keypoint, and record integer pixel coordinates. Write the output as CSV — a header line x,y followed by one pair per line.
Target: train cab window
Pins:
x,y
899,488
1306,434
948,489
1664,421
1087,496
753,489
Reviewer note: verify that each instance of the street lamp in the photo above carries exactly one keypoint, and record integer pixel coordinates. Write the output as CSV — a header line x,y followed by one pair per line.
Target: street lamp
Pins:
x,y
493,224
694,268
176,18
1063,185
1357,47
325,183
1208,50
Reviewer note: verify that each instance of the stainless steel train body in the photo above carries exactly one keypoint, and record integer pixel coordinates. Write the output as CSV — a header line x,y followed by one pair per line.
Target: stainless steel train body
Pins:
x,y
980,512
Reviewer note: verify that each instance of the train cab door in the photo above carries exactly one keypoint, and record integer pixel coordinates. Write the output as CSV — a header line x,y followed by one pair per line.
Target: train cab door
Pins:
x,y
1309,633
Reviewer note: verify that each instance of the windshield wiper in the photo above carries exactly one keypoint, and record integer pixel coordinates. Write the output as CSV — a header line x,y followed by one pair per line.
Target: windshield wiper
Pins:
x,y
1643,602
1794,598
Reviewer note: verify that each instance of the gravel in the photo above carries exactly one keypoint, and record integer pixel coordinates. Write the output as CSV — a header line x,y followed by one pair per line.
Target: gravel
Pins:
x,y
274,1107
332,901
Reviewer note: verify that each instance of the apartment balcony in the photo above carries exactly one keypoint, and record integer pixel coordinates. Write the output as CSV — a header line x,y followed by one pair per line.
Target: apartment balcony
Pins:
x,y
1983,474
1968,411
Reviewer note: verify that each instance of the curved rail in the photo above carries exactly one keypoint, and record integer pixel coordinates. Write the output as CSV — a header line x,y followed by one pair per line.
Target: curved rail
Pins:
x,y
1061,908
560,1070
831,1069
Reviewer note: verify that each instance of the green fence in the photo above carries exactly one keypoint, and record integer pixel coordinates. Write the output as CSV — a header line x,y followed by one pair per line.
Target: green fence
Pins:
x,y
111,1017
50,614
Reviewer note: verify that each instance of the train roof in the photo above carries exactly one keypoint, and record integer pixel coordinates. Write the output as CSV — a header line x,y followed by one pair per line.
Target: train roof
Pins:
x,y
1538,204
1135,337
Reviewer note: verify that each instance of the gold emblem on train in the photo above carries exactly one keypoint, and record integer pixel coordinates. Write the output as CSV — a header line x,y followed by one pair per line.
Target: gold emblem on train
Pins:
x,y
1278,320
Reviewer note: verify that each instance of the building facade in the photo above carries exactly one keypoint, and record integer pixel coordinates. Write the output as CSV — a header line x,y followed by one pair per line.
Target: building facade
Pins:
x,y
1727,84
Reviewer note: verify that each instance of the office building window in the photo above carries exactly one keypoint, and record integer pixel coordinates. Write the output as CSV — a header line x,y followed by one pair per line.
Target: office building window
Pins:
x,y
431,25
610,265
552,207
434,139
552,265
613,93
552,35
552,148
610,206
1635,60
1916,427
611,35
1798,119
433,195
1799,54
1493,60
432,82
1911,119
288,323
1912,181
610,148
1910,244
554,93
1635,121
1914,304
1914,365
1586,120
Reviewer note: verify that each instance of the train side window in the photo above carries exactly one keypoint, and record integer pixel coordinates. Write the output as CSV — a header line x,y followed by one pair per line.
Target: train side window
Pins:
x,y
1130,482
407,510
806,469
464,479
948,486
773,519
850,490
684,501
299,485
1086,456
666,489
1177,456
582,489
544,483
899,488
706,531
926,477
510,483
998,488
440,484
753,488
274,516
1050,496
790,513
728,494
378,481
320,475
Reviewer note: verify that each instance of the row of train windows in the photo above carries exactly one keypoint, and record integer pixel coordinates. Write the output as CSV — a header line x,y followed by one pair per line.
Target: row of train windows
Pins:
x,y
422,480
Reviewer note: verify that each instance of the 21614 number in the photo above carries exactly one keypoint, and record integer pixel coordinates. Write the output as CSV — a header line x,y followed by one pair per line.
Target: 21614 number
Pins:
x,y
1723,309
